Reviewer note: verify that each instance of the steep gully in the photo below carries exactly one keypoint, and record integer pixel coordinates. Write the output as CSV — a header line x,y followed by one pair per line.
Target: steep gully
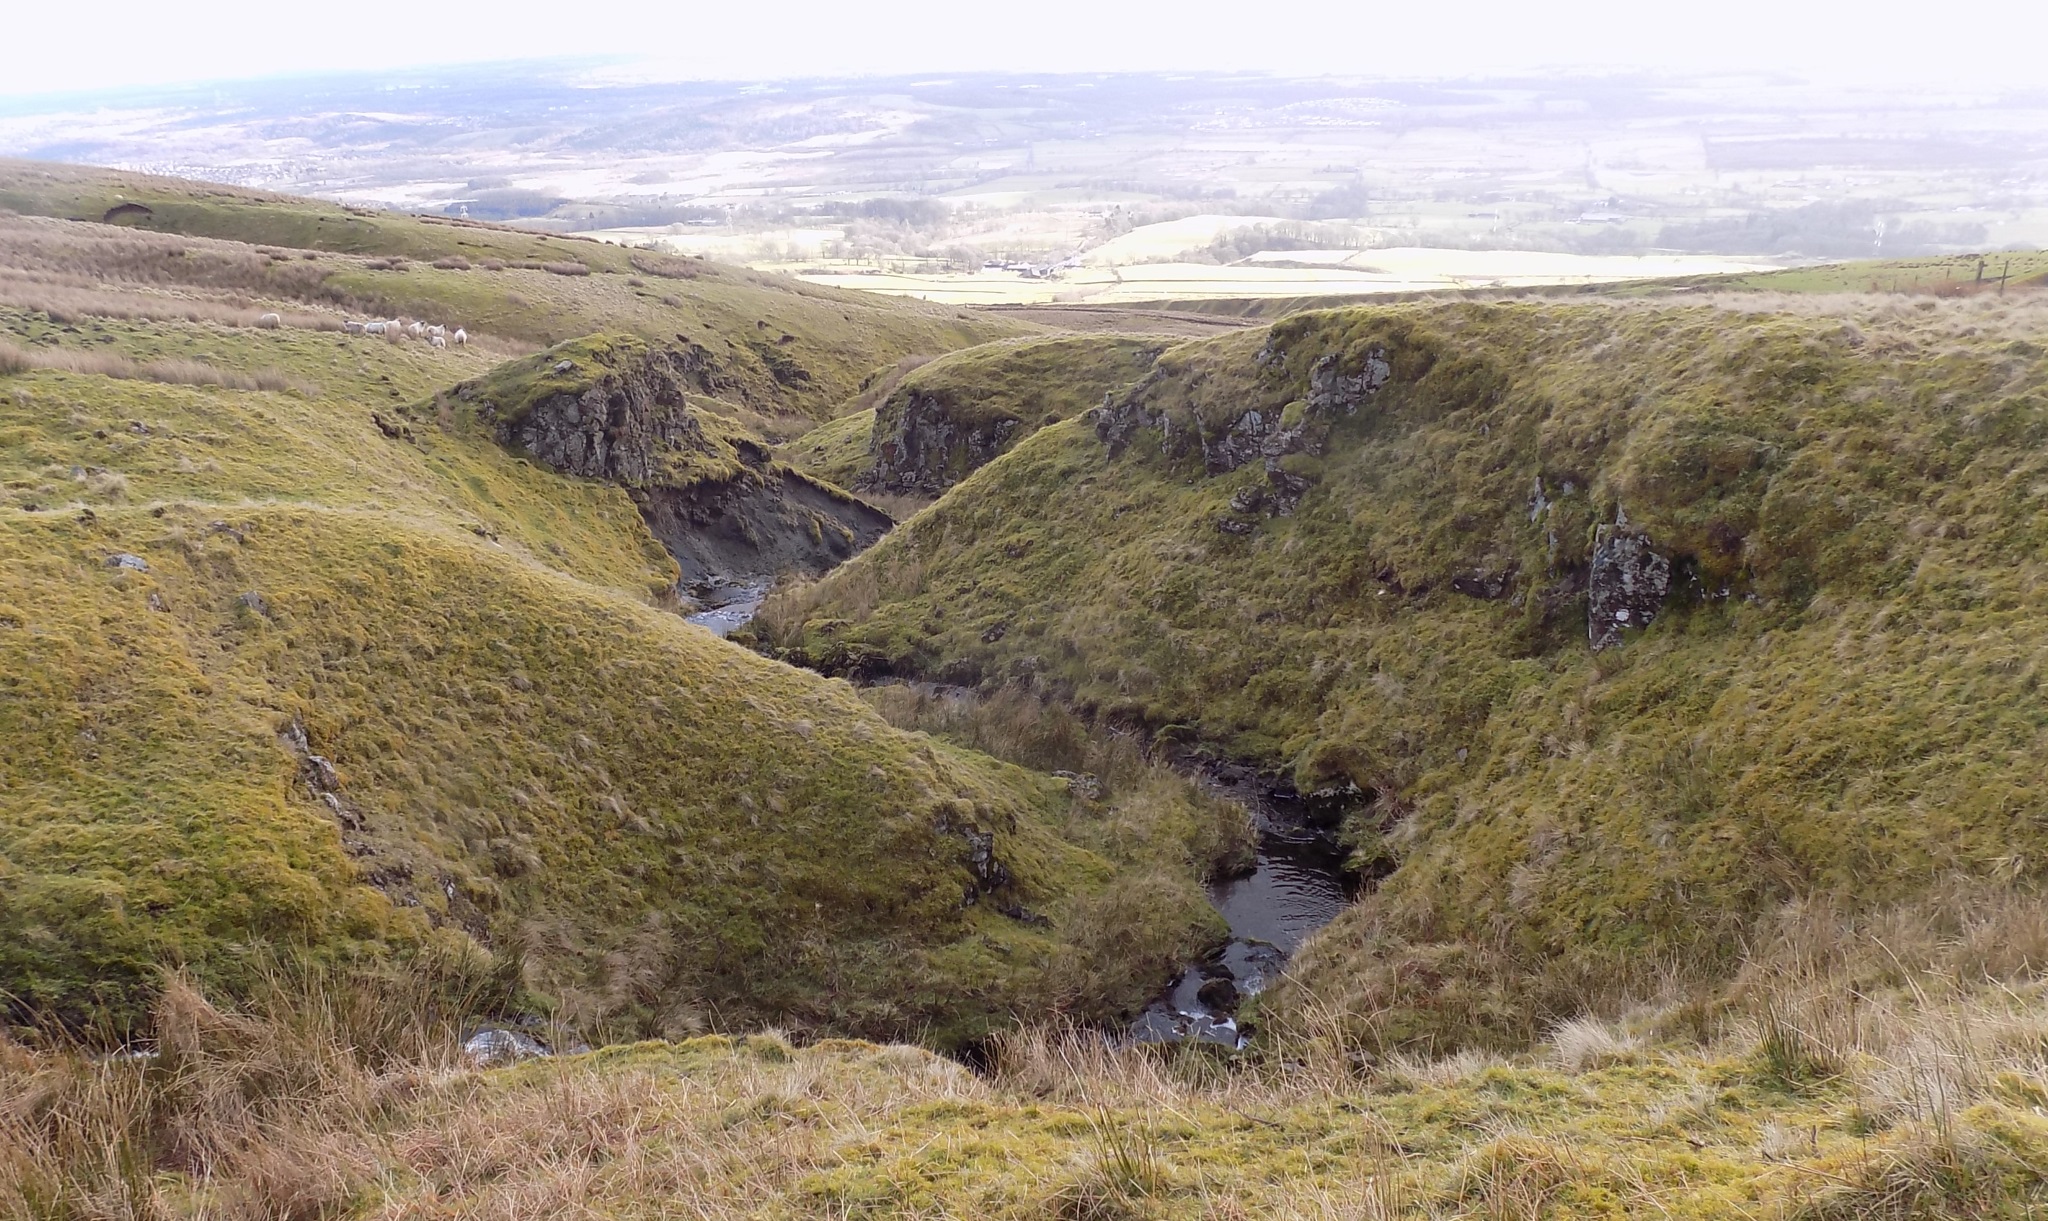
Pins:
x,y
732,539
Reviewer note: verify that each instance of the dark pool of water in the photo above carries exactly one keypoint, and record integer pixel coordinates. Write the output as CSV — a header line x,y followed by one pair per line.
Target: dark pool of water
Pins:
x,y
1297,886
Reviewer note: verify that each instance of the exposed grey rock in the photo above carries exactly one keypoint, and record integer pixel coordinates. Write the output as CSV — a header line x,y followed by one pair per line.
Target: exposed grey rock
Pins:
x,y
492,1048
616,427
1288,489
1084,785
1333,392
1231,525
1626,584
981,859
134,563
1483,584
923,446
320,773
255,602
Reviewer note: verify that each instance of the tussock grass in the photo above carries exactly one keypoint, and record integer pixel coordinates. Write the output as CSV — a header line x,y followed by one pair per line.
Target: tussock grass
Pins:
x,y
1164,833
339,1095
172,372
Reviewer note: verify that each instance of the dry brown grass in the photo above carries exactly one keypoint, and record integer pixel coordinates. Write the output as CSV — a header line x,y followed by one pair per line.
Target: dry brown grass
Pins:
x,y
272,1106
171,371
67,304
329,1096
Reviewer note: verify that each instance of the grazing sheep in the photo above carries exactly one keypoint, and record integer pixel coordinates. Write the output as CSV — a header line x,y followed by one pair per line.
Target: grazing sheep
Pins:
x,y
417,329
270,322
437,341
373,328
461,336
353,327
438,332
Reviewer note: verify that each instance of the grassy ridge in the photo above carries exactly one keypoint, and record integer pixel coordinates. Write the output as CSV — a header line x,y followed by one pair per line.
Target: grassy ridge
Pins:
x,y
967,406
835,451
1840,695
80,439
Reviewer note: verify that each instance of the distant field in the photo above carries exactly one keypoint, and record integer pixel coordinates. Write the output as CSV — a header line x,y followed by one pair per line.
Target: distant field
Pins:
x,y
1937,273
1366,272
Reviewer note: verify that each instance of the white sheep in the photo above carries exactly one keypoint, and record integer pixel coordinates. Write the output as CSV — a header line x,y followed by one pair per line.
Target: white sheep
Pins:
x,y
270,322
373,328
417,329
461,336
437,341
438,332
353,327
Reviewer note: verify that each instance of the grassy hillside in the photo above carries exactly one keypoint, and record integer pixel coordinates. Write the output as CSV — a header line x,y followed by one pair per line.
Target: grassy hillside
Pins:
x,y
781,347
305,659
1838,695
955,414
661,826
1943,275
835,451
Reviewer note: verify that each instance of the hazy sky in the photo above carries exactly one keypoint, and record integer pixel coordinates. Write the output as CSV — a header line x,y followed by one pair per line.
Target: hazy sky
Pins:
x,y
109,43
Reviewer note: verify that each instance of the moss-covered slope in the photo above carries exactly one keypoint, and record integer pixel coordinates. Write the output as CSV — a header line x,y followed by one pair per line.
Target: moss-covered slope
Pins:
x,y
1363,547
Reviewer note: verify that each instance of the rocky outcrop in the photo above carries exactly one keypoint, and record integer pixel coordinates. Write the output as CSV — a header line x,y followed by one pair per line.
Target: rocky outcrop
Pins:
x,y
1262,435
769,521
615,424
617,410
1626,584
920,446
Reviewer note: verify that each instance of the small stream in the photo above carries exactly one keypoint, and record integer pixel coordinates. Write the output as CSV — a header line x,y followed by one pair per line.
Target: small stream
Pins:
x,y
1298,884
727,605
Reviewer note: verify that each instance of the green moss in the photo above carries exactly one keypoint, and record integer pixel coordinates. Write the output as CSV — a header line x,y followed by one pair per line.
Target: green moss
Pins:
x,y
649,828
595,786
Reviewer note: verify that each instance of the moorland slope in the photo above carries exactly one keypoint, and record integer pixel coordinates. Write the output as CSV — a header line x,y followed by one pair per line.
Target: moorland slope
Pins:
x,y
323,647
775,345
1614,628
